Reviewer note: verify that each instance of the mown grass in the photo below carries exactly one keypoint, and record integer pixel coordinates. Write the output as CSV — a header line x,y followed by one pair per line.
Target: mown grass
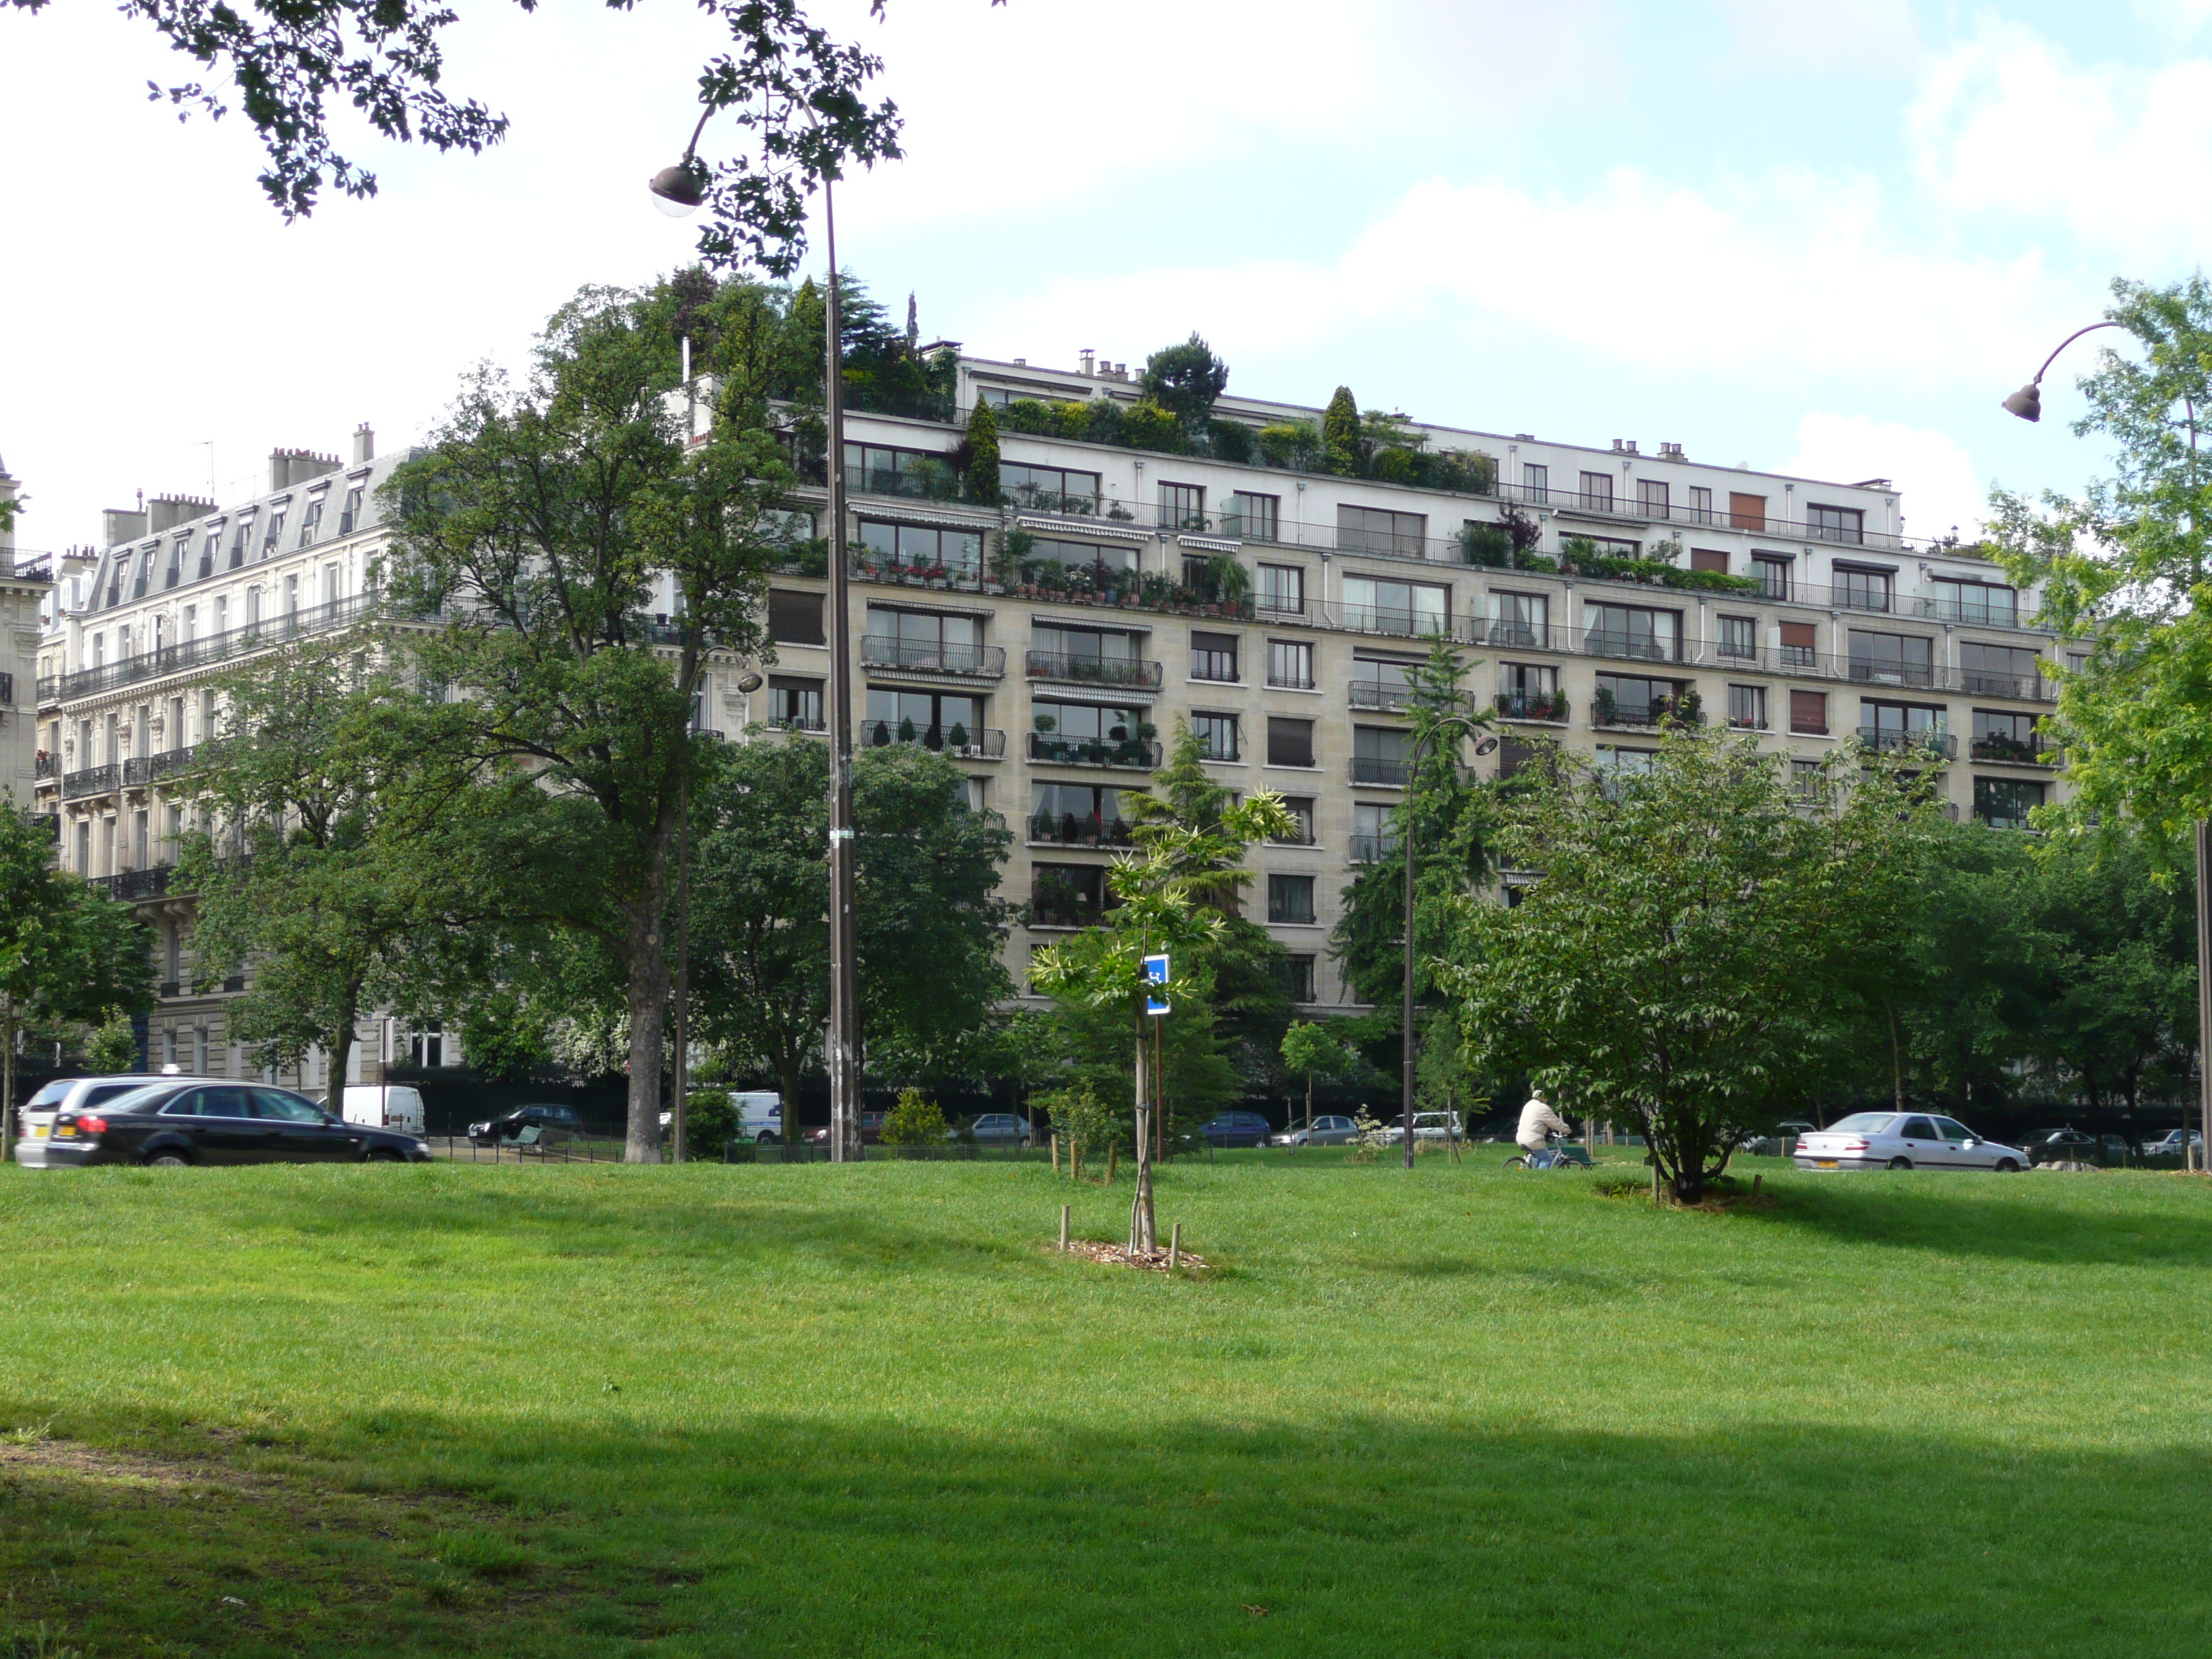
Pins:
x,y
764,1410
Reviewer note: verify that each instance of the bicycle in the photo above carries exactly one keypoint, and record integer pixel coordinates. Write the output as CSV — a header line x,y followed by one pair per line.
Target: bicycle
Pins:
x,y
1552,1157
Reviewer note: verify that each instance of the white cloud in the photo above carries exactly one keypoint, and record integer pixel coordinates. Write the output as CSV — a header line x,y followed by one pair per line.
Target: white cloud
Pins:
x,y
1941,485
2006,123
1864,36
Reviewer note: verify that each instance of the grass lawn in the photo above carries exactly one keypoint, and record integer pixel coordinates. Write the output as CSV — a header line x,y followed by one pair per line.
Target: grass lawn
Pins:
x,y
584,1409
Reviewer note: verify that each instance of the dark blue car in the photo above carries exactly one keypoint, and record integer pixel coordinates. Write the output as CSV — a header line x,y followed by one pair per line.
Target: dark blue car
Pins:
x,y
1237,1129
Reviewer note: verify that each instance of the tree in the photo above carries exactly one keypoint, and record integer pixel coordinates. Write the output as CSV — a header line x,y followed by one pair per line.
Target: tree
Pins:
x,y
932,926
1311,1047
1340,432
68,952
1186,380
983,453
1697,939
549,523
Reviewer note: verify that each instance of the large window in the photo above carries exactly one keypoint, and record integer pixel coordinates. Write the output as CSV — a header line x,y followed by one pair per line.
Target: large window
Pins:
x,y
1535,482
794,704
1858,588
1701,505
1301,809
1297,972
1213,656
1900,726
1835,524
1381,754
1382,681
1651,497
1283,587
1892,658
1377,530
1739,637
1627,630
926,550
1597,491
1049,489
1772,570
1374,835
1984,605
1999,671
310,521
1078,814
1067,894
1632,699
1999,735
1216,735
794,618
1529,691
1109,555
1098,656
878,469
1290,742
1289,663
930,640
1088,734
1385,607
1182,506
1255,518
1747,708
2005,803
272,532
1520,619
935,720
1290,898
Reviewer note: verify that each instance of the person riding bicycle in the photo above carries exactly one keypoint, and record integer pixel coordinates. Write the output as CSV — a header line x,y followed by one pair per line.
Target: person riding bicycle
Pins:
x,y
1539,1122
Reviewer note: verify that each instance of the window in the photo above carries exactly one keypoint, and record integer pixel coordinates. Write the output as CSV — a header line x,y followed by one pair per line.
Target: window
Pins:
x,y
1382,681
1529,691
1255,518
1374,837
207,548
1999,671
2006,737
1216,735
795,705
923,640
1049,489
1899,727
1520,619
349,515
875,470
1376,530
1213,656
1861,588
1535,482
923,549
1835,524
1289,663
1808,713
1182,506
1290,898
1701,505
1981,604
291,596
309,520
1747,707
1096,656
1747,512
1632,700
1597,491
176,568
1381,754
1089,734
1798,644
1892,658
1283,587
1301,809
795,618
145,572
2005,803
1078,814
1805,780
935,720
1098,555
1772,570
1067,894
1651,497
1385,607
1714,559
1623,630
1739,637
200,1051
1290,742
273,531
1298,978
238,541
430,1047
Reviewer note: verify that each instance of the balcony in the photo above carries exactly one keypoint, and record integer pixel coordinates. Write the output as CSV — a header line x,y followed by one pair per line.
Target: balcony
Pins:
x,y
1120,672
2030,750
131,885
1379,773
1126,754
980,662
1517,636
1550,709
170,763
47,766
955,740
216,648
1631,648
1066,829
1378,694
1373,848
1684,709
1890,741
92,781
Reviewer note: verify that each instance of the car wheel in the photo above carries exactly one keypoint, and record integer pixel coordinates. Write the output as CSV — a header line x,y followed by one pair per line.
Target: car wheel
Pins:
x,y
2008,1166
383,1154
1900,1164
169,1161
768,1137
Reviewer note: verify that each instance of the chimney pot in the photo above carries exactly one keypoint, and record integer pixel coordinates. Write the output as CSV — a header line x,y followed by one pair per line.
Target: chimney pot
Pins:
x,y
364,444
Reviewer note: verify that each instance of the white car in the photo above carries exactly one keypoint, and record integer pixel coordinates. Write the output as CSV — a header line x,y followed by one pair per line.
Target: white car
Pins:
x,y
1427,1126
2175,1142
35,1116
1902,1140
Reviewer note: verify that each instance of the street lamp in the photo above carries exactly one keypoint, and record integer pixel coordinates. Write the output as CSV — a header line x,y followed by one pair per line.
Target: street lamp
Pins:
x,y
1460,726
677,190
2027,404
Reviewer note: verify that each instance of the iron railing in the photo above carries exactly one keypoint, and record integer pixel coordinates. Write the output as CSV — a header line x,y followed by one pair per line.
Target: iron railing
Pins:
x,y
217,647
1533,705
958,739
1385,773
131,885
1069,830
1127,754
47,766
7,690
1647,716
1373,848
1120,671
90,781
1891,741
1377,694
928,657
2030,750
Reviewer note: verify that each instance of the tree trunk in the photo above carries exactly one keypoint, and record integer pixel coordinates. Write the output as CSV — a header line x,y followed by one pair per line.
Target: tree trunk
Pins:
x,y
341,1047
1896,1058
1309,1103
647,969
7,1078
1143,1235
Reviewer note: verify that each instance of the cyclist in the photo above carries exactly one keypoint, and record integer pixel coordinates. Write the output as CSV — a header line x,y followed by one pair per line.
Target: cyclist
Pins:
x,y
1539,1122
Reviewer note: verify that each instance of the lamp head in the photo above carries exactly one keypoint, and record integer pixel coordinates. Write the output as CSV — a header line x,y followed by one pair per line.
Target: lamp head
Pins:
x,y
678,191
1487,746
2026,403
749,684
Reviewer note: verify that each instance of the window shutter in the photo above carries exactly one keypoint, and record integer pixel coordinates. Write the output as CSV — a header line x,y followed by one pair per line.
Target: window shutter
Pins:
x,y
1798,635
1708,558
1808,712
793,618
1290,742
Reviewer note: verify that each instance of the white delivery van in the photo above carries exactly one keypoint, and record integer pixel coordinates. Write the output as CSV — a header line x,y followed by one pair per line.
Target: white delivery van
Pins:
x,y
760,1115
385,1106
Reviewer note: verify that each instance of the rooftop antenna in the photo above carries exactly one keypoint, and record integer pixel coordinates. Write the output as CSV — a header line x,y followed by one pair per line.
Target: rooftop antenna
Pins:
x,y
208,444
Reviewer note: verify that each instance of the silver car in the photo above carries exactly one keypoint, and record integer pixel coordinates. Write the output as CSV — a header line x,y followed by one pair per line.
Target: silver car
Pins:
x,y
1902,1140
1322,1131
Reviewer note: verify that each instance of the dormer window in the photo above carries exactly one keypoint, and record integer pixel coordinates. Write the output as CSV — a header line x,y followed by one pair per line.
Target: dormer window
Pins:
x,y
238,540
274,534
350,514
207,548
145,574
175,573
308,521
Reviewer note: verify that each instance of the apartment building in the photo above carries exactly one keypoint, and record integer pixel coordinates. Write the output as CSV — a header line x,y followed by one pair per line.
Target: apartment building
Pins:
x,y
23,588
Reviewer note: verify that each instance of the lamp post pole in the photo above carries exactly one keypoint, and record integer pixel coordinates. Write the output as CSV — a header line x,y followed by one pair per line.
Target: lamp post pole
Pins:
x,y
1459,727
844,941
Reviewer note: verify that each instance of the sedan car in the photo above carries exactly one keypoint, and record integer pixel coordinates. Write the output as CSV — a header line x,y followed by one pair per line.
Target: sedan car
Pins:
x,y
999,1129
1322,1131
1237,1129
551,1122
198,1121
2068,1145
2175,1142
1902,1140
1427,1126
871,1131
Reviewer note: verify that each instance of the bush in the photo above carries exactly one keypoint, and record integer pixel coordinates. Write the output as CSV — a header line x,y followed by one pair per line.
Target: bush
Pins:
x,y
710,1123
1620,1186
1485,544
1149,426
914,1122
1084,1121
1033,416
983,467
1232,440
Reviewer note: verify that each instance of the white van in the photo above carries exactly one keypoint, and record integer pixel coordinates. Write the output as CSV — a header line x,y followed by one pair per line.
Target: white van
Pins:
x,y
385,1106
760,1115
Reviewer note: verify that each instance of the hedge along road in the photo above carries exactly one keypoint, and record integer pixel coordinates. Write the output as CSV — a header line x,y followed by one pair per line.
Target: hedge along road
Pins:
x,y
715,1410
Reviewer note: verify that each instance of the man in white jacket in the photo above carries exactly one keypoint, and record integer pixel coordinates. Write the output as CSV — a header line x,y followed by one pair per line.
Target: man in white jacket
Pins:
x,y
1539,1121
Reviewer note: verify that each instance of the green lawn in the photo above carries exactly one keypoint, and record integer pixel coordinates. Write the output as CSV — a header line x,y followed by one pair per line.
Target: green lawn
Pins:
x,y
587,1409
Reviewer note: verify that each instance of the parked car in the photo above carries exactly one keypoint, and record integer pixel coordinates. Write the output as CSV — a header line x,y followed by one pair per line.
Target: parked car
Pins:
x,y
383,1106
871,1131
1237,1129
1902,1140
209,1121
1323,1132
2062,1147
2119,1146
999,1129
35,1116
553,1123
1427,1126
2175,1142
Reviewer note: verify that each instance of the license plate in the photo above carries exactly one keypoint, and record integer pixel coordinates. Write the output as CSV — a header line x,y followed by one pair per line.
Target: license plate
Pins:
x,y
1824,1164
38,1132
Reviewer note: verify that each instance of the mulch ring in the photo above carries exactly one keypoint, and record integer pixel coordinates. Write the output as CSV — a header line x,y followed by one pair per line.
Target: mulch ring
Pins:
x,y
1114,1255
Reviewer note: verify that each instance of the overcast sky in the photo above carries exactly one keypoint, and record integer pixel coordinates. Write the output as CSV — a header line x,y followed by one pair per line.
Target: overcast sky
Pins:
x,y
1823,238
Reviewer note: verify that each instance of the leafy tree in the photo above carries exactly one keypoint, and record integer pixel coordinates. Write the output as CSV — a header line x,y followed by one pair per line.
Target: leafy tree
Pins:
x,y
931,927
983,453
1086,1122
1697,941
549,521
913,1120
1309,1047
1186,380
68,952
1340,432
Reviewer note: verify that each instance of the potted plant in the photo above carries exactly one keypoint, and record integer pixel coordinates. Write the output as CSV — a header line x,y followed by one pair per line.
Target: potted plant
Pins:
x,y
906,729
957,736
1608,707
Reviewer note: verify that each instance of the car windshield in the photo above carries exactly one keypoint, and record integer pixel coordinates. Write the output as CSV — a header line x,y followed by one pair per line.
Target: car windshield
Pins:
x,y
51,1094
146,1098
1951,1129
1862,1123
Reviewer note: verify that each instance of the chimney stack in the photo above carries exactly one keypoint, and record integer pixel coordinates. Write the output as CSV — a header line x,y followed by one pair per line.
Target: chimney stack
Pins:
x,y
168,512
120,524
1089,357
364,444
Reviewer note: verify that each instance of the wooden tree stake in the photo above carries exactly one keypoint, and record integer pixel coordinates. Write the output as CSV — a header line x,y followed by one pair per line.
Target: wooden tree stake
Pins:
x,y
1113,1157
1175,1247
1063,1229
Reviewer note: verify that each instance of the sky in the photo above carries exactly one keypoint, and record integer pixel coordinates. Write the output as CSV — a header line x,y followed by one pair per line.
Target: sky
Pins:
x,y
1822,238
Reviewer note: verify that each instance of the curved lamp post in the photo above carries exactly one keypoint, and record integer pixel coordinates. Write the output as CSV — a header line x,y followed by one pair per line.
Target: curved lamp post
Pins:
x,y
1459,725
677,191
2027,404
